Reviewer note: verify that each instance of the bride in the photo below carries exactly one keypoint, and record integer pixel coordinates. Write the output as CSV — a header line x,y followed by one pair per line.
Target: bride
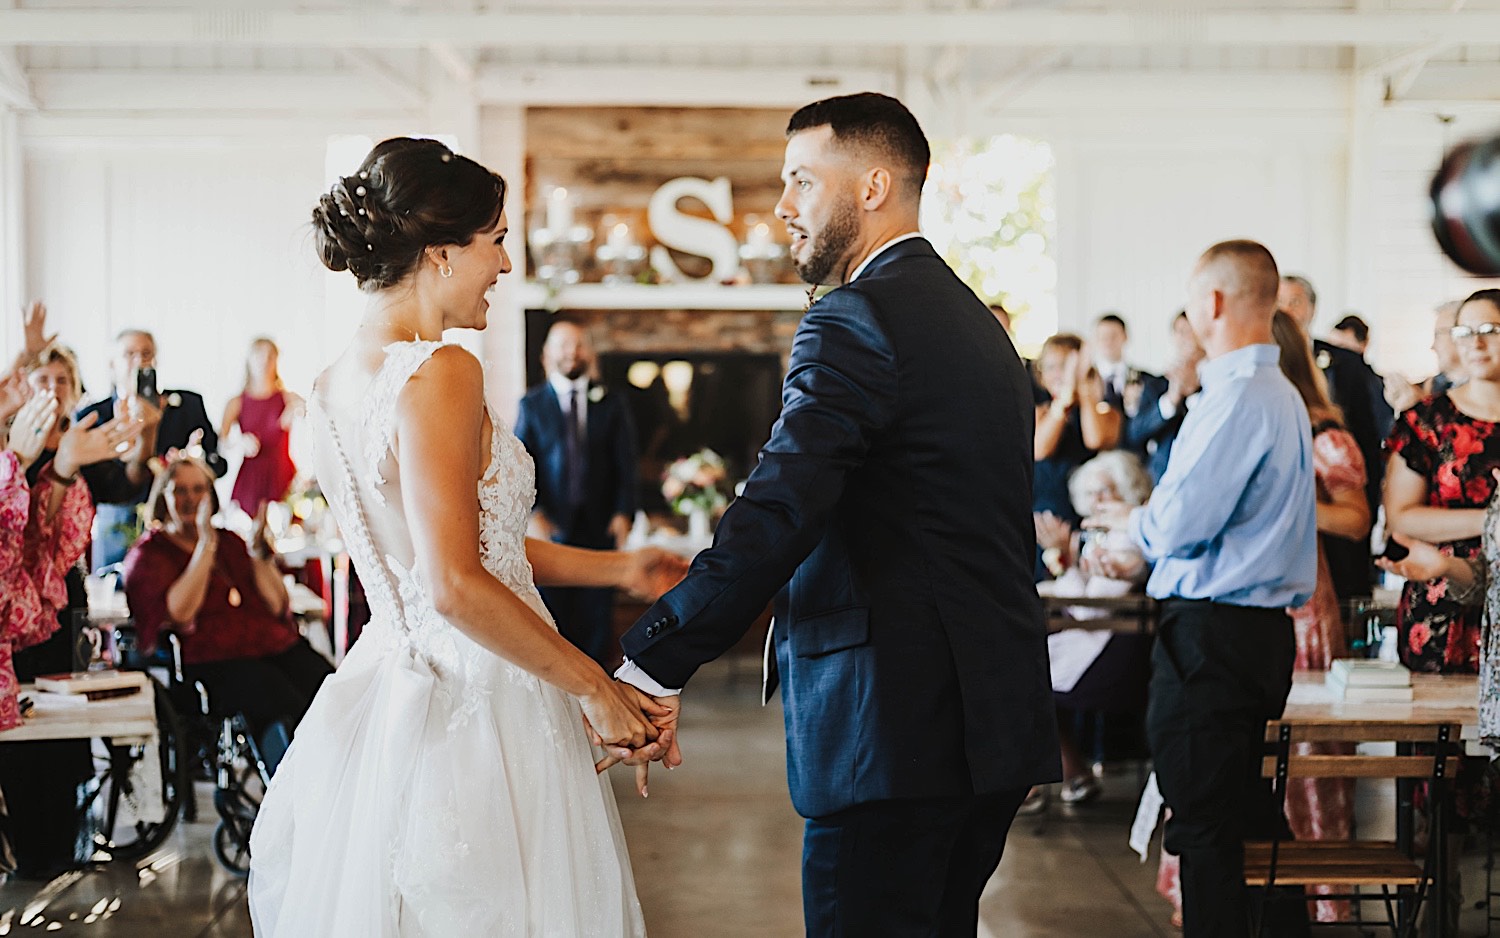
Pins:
x,y
443,782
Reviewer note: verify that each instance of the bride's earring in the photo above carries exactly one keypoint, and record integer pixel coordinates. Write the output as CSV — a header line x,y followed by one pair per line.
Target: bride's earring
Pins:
x,y
446,271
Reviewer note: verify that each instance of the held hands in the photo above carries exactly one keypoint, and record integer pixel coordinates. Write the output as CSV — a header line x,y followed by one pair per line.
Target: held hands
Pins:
x,y
651,571
85,444
619,719
663,713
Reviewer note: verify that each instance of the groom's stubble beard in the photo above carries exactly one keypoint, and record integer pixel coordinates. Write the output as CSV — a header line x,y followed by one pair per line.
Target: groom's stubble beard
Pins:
x,y
832,245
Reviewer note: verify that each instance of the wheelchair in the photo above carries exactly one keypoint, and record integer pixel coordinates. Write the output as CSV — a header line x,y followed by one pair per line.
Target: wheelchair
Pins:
x,y
206,745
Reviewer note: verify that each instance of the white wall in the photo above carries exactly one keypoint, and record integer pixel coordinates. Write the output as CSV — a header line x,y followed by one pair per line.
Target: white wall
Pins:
x,y
206,246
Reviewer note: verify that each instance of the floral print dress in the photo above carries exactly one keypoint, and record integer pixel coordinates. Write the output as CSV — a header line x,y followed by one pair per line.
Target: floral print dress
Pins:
x,y
35,556
1455,453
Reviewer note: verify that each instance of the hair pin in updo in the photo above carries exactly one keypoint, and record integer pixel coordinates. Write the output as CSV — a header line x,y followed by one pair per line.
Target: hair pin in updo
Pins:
x,y
359,191
364,175
447,157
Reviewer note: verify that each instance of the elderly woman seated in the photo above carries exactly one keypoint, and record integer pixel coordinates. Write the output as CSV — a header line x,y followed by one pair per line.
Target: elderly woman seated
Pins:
x,y
226,601
1093,670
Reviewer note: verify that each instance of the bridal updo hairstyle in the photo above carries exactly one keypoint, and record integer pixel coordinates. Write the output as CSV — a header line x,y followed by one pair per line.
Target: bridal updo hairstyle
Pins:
x,y
408,195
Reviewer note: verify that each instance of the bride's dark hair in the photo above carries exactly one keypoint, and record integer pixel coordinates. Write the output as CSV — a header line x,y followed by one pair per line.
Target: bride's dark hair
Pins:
x,y
408,194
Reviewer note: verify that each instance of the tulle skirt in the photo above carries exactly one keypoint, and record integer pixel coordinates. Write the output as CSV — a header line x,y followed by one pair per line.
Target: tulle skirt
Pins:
x,y
417,804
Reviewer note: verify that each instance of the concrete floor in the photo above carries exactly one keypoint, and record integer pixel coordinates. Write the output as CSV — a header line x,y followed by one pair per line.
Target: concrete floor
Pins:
x,y
715,850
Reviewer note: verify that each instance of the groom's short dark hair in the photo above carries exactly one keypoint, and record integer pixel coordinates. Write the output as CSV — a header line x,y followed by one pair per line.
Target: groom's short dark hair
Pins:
x,y
876,121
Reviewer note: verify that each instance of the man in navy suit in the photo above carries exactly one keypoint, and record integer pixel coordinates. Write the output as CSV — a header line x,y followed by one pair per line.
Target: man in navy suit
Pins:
x,y
1162,406
890,518
184,423
583,443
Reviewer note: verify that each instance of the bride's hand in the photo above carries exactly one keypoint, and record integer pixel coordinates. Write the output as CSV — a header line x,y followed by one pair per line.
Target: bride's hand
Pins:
x,y
651,571
616,719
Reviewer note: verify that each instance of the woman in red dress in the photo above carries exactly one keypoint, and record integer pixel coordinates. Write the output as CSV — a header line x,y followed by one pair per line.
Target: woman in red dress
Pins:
x,y
264,412
1443,451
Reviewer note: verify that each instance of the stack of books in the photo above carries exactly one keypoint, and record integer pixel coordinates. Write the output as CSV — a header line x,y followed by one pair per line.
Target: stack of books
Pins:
x,y
94,685
1369,680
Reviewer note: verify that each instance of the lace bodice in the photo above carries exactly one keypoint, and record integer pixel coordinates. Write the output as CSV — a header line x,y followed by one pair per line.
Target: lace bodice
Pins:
x,y
365,497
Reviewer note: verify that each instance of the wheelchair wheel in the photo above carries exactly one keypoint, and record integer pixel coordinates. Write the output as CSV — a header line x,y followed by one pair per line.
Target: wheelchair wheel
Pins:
x,y
131,816
232,845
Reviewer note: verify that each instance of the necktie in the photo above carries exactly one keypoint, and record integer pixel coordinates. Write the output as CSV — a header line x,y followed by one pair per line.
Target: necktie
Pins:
x,y
574,444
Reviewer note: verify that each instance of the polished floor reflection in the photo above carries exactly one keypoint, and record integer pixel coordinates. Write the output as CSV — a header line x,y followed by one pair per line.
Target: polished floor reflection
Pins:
x,y
715,850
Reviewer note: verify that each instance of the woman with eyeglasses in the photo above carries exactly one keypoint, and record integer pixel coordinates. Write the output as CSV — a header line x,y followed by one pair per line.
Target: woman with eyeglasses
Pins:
x,y
1438,481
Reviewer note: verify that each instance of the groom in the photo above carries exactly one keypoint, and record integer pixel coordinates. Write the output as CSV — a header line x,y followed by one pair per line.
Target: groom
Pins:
x,y
890,517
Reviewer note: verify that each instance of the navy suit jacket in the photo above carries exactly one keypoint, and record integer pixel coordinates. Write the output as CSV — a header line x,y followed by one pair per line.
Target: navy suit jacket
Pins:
x,y
1360,394
891,511
177,425
609,458
1148,426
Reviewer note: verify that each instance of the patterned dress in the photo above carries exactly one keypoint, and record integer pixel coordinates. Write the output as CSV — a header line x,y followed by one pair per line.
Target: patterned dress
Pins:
x,y
35,556
1455,453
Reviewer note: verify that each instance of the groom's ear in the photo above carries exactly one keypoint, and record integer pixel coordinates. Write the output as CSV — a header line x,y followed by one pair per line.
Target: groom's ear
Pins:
x,y
875,188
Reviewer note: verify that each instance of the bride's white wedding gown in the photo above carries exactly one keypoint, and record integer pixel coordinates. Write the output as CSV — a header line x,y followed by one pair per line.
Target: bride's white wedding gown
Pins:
x,y
433,789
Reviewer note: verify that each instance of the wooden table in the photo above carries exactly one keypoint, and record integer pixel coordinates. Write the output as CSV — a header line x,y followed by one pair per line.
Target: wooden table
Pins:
x,y
1436,698
123,720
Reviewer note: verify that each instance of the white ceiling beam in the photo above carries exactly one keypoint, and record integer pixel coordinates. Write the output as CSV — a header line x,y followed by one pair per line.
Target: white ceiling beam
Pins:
x,y
1442,82
70,90
380,73
932,28
671,86
460,64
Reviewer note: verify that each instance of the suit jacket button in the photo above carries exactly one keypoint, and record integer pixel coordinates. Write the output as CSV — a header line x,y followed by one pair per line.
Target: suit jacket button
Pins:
x,y
670,621
651,631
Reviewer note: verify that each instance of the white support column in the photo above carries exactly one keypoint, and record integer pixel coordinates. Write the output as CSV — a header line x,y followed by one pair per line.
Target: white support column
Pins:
x,y
1367,91
503,149
12,232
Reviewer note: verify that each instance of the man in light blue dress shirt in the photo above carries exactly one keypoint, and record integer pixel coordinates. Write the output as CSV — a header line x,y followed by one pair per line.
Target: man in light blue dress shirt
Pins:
x,y
1232,531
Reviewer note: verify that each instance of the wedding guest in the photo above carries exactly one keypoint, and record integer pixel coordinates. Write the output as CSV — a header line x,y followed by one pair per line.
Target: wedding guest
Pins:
x,y
1231,531
1450,361
1352,333
1123,383
1093,671
1438,481
183,424
264,412
1073,422
1163,403
583,442
225,599
43,593
1360,395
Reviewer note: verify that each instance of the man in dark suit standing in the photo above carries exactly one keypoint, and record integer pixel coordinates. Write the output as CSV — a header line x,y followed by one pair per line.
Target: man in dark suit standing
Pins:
x,y
1162,406
1359,392
184,424
583,444
890,517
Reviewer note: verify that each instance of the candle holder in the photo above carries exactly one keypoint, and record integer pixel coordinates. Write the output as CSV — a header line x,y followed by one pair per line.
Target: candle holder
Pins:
x,y
761,256
561,247
620,256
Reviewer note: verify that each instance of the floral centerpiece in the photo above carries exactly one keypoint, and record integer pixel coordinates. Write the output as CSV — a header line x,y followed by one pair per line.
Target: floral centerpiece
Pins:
x,y
693,486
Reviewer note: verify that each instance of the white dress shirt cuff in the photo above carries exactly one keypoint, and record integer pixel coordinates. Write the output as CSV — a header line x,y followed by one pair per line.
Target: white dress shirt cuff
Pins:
x,y
631,674
1167,408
